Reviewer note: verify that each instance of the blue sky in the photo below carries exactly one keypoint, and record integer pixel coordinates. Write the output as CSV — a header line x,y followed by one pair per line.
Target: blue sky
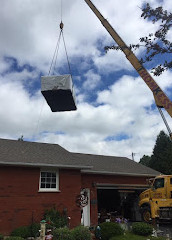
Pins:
x,y
116,114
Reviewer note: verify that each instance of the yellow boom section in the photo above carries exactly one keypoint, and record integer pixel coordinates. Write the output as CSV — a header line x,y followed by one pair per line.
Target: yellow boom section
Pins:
x,y
160,97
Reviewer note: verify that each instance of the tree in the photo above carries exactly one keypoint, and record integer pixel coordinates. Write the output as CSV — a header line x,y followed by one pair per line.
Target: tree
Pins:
x,y
161,159
145,160
156,44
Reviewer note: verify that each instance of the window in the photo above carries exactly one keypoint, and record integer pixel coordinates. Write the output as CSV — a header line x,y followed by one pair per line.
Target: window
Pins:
x,y
159,183
49,181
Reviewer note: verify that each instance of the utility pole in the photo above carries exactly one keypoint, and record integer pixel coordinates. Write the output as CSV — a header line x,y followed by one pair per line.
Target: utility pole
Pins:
x,y
132,154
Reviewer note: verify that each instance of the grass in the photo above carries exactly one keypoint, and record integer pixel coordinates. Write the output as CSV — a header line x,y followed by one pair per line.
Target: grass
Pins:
x,y
131,236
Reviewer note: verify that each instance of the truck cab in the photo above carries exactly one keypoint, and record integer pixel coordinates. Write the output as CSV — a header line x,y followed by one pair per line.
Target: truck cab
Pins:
x,y
156,202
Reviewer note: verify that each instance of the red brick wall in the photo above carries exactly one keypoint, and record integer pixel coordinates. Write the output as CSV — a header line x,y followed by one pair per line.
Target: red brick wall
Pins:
x,y
88,181
21,202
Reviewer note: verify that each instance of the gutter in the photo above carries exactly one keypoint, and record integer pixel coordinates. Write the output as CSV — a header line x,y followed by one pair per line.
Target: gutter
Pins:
x,y
44,165
121,186
119,173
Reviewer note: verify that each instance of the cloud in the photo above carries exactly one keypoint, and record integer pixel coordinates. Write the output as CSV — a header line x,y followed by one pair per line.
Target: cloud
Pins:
x,y
4,66
113,102
86,129
29,31
92,80
112,61
17,110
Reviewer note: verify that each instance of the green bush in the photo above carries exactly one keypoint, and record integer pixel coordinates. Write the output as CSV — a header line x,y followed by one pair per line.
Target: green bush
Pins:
x,y
110,229
14,238
62,234
141,228
81,233
22,232
26,231
55,219
1,237
114,238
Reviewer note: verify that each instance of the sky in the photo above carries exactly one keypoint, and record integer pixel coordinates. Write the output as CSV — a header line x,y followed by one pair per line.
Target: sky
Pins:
x,y
115,114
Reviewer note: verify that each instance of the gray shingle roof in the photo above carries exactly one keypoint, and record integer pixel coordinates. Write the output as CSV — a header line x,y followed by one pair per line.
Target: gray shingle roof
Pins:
x,y
13,152
114,165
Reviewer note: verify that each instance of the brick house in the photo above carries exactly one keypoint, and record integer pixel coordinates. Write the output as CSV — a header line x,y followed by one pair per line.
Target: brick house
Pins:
x,y
38,176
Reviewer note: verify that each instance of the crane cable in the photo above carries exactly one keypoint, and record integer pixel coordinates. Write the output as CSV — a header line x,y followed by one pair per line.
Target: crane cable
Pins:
x,y
165,121
54,59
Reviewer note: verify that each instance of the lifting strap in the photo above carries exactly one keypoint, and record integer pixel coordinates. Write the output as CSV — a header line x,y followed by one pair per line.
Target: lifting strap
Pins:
x,y
54,59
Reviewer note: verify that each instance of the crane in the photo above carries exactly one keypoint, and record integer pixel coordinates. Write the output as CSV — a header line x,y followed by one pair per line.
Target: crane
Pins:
x,y
161,99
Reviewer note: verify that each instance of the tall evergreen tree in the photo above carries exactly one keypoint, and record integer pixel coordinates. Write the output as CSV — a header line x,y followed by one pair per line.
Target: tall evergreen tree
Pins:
x,y
161,159
145,160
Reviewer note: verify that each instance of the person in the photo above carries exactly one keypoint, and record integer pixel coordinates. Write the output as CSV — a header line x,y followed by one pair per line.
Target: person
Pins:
x,y
49,236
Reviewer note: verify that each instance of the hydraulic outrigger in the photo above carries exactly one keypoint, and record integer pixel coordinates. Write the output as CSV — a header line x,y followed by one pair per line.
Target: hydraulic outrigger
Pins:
x,y
161,100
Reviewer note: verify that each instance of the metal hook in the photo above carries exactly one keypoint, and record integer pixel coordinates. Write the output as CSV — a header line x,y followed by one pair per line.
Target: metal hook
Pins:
x,y
61,25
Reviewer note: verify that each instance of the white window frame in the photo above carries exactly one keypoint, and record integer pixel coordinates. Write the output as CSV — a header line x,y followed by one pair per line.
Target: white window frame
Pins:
x,y
57,181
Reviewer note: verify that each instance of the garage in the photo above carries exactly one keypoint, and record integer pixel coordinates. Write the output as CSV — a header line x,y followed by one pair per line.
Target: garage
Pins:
x,y
114,184
116,201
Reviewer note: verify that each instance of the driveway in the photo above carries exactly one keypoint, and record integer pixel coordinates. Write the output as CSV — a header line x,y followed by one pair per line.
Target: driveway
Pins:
x,y
164,229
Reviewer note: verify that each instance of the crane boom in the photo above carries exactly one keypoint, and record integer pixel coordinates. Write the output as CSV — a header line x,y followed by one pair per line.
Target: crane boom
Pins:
x,y
161,99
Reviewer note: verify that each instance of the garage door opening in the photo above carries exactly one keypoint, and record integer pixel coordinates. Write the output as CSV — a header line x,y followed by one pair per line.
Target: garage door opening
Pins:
x,y
121,203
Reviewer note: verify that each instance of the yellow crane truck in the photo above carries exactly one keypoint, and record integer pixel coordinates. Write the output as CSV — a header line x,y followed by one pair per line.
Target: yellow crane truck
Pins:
x,y
156,202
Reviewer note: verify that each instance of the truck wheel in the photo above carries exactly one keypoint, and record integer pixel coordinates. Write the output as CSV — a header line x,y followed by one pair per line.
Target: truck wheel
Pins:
x,y
146,214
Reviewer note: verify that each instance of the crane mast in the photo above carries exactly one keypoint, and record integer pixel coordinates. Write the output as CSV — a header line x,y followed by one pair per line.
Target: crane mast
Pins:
x,y
161,99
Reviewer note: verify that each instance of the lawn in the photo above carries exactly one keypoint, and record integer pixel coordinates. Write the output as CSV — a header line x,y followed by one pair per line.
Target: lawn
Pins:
x,y
131,236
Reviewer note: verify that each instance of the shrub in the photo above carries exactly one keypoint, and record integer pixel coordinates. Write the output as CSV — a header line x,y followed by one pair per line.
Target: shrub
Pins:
x,y
113,238
22,232
110,229
141,228
55,218
14,238
62,234
1,237
81,233
34,229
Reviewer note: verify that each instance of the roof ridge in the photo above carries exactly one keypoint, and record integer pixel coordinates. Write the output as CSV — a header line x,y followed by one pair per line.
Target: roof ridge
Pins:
x,y
31,142
90,154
